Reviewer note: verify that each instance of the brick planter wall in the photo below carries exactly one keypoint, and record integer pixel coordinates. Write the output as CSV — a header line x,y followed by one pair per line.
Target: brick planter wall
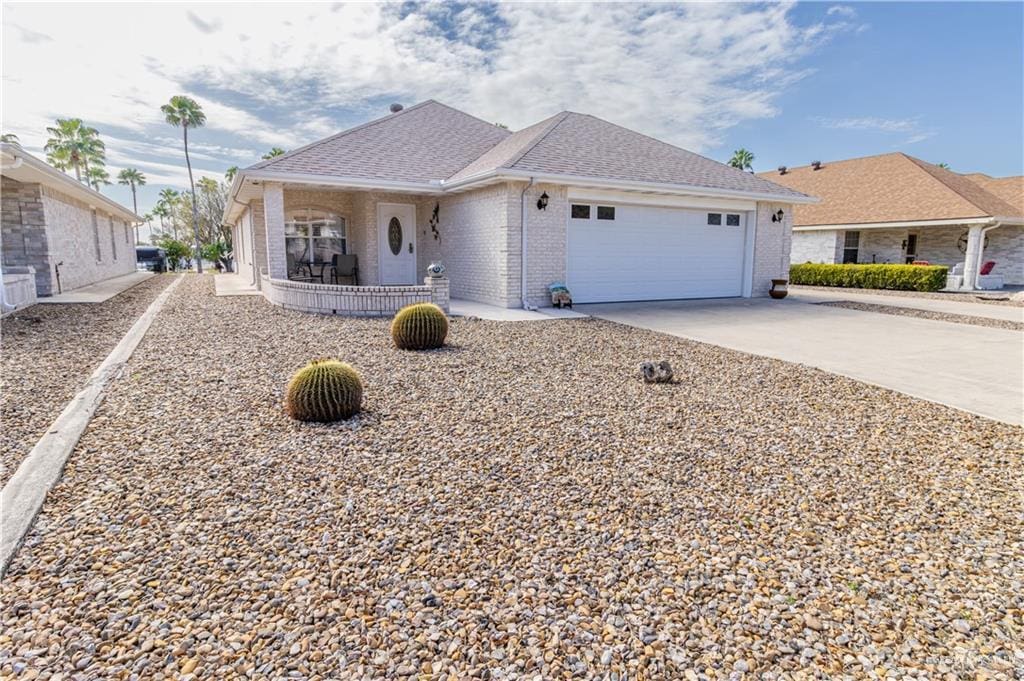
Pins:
x,y
354,301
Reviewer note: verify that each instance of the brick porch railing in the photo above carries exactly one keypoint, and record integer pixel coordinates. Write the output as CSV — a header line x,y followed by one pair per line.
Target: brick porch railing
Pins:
x,y
355,301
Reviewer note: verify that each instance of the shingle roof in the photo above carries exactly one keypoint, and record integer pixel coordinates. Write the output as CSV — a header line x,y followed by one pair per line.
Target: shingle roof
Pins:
x,y
432,142
888,188
1009,189
582,145
423,143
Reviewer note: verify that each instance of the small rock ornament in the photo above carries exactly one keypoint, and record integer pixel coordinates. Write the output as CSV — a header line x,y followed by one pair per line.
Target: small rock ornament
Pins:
x,y
657,373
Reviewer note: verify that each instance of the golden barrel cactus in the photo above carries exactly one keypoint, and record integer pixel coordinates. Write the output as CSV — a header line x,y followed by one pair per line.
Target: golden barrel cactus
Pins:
x,y
419,327
324,390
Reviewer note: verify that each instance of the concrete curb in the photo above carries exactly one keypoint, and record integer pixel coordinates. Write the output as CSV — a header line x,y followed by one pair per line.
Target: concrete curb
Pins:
x,y
23,495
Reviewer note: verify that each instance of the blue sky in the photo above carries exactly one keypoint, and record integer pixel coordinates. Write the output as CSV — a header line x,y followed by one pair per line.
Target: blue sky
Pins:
x,y
791,82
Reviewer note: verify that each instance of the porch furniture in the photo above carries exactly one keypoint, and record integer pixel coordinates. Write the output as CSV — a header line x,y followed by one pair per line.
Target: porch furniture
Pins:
x,y
308,265
988,281
955,278
344,266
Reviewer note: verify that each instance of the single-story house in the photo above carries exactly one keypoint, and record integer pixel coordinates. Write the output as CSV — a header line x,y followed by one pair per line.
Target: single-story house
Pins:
x,y
56,229
895,208
612,213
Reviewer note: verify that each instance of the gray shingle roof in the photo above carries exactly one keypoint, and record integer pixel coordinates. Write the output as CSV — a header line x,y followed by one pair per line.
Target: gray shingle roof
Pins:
x,y
426,142
431,142
579,144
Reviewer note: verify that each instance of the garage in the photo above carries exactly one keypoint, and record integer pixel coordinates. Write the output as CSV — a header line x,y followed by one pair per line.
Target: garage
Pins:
x,y
635,252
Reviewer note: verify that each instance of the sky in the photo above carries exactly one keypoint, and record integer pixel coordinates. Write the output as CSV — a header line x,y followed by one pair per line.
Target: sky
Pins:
x,y
790,82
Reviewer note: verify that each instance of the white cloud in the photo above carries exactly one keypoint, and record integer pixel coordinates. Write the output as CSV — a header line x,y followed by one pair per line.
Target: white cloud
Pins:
x,y
842,11
287,74
910,128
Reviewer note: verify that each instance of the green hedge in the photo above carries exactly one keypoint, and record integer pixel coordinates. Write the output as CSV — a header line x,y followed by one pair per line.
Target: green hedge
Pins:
x,y
896,277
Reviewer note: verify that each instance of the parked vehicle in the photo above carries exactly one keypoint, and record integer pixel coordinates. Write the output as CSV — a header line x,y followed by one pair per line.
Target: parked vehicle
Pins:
x,y
151,258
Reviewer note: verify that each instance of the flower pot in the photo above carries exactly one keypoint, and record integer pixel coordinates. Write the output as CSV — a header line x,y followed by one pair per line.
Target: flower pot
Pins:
x,y
779,288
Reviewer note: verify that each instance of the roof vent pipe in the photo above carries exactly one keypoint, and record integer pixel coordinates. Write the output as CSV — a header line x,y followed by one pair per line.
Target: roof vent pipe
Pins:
x,y
396,107
782,170
816,165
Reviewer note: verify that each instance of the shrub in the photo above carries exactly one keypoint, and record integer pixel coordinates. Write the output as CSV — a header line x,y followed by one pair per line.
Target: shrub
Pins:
x,y
324,390
896,277
419,327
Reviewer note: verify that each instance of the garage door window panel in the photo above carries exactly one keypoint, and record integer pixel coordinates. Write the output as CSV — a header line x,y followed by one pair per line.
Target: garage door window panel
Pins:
x,y
714,218
580,211
606,212
732,220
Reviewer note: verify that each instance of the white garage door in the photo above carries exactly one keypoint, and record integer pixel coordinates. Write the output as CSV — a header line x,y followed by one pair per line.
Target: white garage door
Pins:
x,y
621,252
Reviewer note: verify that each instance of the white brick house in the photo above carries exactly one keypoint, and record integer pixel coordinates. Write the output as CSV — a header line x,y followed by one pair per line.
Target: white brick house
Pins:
x,y
68,234
612,213
894,208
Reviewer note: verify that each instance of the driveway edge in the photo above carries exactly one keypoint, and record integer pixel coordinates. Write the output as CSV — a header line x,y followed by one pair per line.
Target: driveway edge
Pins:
x,y
22,497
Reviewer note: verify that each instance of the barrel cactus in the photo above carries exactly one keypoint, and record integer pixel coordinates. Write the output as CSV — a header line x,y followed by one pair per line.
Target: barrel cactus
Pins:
x,y
419,327
324,390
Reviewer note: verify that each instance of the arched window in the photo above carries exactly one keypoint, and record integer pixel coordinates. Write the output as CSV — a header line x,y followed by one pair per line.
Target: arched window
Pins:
x,y
312,236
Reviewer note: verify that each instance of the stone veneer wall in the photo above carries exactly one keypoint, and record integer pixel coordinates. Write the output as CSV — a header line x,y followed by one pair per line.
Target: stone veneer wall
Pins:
x,y
882,246
355,301
816,247
771,246
43,227
23,239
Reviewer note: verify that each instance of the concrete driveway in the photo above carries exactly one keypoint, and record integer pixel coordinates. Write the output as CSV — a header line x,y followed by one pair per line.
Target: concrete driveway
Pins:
x,y
974,368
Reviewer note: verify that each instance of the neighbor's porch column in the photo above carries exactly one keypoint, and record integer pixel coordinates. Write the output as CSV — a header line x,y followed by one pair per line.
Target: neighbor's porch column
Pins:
x,y
972,258
273,209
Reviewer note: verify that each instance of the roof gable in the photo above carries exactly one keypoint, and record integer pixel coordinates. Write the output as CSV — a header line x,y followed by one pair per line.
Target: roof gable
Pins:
x,y
423,143
887,188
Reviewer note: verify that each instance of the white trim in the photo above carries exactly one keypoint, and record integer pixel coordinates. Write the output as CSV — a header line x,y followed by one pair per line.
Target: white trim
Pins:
x,y
608,183
749,252
27,168
907,223
334,181
580,195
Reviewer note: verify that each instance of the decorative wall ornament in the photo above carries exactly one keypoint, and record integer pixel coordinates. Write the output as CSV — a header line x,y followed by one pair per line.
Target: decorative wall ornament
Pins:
x,y
435,221
961,243
435,269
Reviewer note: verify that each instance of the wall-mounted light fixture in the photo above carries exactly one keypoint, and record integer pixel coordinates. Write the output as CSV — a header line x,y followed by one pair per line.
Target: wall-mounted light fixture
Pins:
x,y
904,245
777,217
542,202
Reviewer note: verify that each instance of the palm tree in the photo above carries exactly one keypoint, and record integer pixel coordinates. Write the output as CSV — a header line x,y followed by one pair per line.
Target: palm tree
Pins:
x,y
230,173
944,166
132,177
96,176
73,144
161,211
184,112
10,138
168,198
276,151
742,159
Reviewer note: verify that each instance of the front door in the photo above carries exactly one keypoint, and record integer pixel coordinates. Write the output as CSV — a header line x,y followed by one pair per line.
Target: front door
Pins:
x,y
911,254
396,227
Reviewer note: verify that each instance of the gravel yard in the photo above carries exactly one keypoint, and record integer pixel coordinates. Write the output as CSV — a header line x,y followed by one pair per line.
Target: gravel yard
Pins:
x,y
986,297
518,505
927,314
48,353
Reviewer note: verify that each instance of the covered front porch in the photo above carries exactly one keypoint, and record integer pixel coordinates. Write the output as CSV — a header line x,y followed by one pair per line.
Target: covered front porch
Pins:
x,y
339,250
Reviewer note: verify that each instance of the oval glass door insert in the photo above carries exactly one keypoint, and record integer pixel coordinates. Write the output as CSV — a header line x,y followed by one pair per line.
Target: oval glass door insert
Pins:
x,y
395,236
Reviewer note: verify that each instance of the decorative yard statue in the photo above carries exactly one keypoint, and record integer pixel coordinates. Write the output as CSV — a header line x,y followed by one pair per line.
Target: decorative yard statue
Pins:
x,y
560,296
435,269
657,373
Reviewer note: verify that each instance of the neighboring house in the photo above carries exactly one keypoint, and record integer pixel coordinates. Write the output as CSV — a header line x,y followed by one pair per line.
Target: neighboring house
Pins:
x,y
614,214
69,234
895,208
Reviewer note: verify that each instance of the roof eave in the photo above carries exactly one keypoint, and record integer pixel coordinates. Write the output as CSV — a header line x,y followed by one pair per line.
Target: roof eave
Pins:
x,y
499,174
907,224
65,183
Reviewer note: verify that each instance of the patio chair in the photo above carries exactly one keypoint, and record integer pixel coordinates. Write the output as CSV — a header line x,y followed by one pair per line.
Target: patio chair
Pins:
x,y
343,266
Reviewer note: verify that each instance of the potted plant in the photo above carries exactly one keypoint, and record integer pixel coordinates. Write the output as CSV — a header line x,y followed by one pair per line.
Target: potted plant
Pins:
x,y
779,288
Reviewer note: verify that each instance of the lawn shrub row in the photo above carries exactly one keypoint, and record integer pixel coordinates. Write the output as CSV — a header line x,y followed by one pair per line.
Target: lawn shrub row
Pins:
x,y
896,277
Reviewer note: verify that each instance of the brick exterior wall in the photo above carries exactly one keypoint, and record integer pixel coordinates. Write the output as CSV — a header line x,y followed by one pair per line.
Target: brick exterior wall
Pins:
x,y
816,247
354,301
23,239
43,227
771,246
884,246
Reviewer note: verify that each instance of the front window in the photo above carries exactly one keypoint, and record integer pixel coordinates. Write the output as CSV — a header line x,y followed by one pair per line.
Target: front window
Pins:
x,y
312,238
851,247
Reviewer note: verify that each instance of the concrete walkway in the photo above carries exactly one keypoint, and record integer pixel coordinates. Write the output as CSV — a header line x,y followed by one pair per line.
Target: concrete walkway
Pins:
x,y
99,292
974,368
962,306
469,308
233,285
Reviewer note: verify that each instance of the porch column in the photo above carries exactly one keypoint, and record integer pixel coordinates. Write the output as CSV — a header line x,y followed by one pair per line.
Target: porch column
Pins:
x,y
273,209
972,258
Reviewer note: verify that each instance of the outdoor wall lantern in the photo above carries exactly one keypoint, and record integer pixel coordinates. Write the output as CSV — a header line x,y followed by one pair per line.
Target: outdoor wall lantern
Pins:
x,y
777,217
904,245
542,202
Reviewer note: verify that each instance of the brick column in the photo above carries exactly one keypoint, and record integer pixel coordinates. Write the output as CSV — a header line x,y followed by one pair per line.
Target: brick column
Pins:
x,y
440,294
273,213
